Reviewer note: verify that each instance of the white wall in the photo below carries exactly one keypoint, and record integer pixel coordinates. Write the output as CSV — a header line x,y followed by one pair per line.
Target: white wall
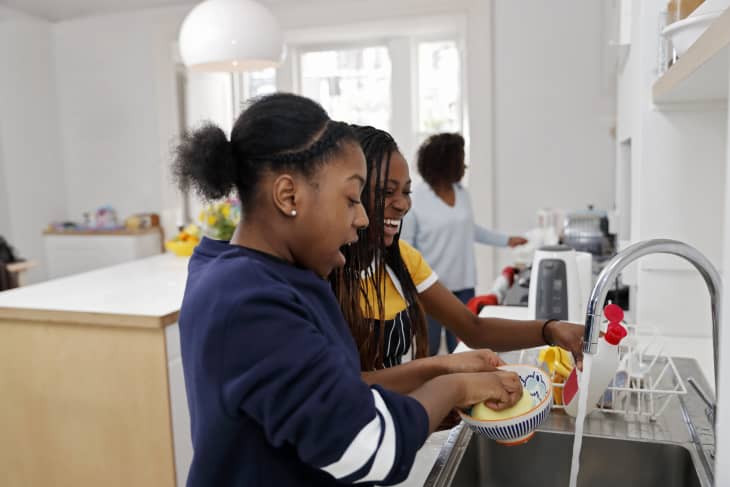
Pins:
x,y
678,185
480,129
32,172
722,469
118,111
554,109
5,223
4,202
682,193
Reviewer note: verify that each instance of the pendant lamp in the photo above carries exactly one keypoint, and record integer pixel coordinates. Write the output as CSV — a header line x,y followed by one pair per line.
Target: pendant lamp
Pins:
x,y
230,35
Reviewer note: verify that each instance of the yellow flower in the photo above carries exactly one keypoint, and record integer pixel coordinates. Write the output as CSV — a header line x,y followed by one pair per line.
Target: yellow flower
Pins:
x,y
226,210
212,220
201,217
193,230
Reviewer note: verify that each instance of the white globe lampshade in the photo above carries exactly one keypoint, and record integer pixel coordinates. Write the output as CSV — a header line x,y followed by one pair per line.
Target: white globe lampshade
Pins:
x,y
230,35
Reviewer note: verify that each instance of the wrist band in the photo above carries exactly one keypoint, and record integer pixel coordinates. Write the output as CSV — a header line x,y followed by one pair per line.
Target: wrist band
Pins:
x,y
544,325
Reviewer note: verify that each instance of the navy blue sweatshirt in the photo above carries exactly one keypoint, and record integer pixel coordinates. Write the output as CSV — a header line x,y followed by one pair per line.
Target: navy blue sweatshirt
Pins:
x,y
273,381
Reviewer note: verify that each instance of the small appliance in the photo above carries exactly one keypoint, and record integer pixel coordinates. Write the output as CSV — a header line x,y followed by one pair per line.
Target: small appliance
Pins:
x,y
560,280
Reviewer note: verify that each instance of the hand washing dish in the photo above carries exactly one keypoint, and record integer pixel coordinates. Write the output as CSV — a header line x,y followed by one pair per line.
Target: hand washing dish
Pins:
x,y
482,412
520,427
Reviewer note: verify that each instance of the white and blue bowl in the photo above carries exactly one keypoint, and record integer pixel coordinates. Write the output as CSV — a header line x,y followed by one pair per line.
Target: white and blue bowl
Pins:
x,y
518,429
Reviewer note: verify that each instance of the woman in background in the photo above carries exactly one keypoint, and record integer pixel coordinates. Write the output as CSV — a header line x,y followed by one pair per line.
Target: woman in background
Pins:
x,y
441,225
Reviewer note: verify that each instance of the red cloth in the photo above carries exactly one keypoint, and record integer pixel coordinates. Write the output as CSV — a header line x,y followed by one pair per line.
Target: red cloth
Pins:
x,y
476,303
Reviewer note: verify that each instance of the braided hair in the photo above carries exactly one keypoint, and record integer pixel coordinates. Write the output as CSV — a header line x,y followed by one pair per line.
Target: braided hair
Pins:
x,y
351,283
279,132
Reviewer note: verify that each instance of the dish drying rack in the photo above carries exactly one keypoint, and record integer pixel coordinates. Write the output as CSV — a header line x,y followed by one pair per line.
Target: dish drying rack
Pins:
x,y
645,382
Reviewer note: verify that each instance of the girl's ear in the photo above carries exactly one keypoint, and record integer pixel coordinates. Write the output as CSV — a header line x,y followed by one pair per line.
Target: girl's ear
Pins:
x,y
284,194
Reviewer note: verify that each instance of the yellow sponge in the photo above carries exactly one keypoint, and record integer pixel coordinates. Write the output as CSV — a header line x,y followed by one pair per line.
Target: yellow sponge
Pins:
x,y
482,412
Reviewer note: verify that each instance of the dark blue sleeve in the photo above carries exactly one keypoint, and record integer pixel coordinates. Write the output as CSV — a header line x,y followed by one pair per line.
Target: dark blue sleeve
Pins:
x,y
281,370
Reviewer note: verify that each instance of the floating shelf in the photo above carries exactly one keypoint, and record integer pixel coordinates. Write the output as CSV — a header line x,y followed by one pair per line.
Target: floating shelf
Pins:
x,y
701,74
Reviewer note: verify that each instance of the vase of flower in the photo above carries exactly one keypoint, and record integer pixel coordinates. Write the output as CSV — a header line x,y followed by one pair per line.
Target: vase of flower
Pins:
x,y
219,219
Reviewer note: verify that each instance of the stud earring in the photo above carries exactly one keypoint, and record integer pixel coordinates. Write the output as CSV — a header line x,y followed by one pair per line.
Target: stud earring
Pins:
x,y
294,213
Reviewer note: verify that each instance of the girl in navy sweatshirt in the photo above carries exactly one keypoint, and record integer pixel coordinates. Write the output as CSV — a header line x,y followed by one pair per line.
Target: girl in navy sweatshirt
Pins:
x,y
271,370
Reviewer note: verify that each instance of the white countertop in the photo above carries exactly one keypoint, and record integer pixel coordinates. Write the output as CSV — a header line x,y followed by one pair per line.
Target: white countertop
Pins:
x,y
151,287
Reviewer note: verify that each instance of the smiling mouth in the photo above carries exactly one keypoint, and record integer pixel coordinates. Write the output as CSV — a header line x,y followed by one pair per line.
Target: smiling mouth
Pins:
x,y
392,224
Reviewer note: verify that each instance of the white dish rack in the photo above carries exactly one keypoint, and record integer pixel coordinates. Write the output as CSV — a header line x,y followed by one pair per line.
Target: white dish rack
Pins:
x,y
647,379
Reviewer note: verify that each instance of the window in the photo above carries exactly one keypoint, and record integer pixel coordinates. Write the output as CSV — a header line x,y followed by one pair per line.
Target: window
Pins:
x,y
220,98
352,84
253,84
439,88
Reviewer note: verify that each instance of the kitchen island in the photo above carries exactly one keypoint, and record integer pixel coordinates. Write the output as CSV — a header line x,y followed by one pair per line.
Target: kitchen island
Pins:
x,y
91,378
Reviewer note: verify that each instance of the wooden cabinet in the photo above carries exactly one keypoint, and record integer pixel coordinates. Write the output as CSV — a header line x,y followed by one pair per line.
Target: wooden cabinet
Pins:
x,y
91,379
179,414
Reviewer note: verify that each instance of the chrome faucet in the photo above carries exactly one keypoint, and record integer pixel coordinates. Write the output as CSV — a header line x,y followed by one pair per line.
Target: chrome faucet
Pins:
x,y
594,309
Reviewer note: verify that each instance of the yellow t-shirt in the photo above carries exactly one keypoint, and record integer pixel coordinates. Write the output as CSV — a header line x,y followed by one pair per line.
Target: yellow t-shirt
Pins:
x,y
394,302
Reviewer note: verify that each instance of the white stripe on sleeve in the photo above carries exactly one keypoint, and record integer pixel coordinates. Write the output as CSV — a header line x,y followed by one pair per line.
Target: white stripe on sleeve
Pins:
x,y
360,450
427,283
385,456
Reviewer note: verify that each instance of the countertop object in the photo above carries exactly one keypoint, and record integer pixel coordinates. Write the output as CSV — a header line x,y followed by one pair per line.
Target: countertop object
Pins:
x,y
145,292
75,251
701,75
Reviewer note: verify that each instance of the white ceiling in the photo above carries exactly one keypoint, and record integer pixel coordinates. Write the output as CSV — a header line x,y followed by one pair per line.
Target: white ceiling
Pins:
x,y
55,10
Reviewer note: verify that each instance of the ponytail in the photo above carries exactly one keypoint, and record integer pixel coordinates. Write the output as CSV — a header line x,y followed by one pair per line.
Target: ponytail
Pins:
x,y
204,162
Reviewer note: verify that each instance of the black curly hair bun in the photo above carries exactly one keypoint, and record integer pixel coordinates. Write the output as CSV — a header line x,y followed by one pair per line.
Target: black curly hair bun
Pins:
x,y
204,162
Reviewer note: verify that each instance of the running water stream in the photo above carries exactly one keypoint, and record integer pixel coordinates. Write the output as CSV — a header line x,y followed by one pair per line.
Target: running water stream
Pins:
x,y
584,380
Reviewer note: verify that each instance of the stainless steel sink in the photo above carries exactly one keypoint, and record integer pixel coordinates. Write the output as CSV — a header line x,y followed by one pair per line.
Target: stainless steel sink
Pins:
x,y
676,449
545,461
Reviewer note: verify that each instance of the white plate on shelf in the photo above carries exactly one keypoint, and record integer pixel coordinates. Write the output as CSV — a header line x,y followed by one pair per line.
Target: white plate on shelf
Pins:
x,y
684,33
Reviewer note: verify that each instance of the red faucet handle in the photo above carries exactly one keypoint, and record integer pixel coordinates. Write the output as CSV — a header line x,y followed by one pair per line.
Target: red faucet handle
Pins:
x,y
615,333
613,313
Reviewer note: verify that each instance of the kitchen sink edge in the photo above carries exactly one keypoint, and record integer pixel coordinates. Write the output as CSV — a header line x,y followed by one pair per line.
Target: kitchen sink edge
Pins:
x,y
683,424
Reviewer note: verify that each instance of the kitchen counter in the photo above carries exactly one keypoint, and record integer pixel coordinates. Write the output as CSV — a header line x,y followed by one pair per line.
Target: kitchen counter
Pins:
x,y
145,293
92,381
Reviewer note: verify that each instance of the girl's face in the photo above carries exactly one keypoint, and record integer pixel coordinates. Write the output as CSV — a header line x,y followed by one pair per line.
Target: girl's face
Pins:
x,y
330,212
397,192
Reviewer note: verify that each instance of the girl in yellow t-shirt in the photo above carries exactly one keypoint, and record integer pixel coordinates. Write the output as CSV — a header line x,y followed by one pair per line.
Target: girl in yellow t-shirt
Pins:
x,y
386,285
